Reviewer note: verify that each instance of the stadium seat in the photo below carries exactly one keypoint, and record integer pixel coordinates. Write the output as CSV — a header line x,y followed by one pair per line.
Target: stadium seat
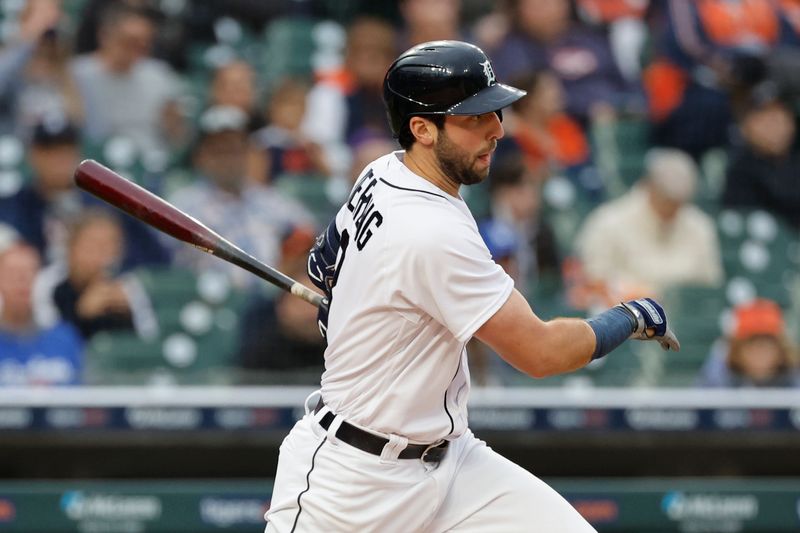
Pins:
x,y
288,49
695,314
760,250
198,323
619,149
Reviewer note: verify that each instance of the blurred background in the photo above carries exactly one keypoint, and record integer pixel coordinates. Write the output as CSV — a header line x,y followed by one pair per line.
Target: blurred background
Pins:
x,y
146,386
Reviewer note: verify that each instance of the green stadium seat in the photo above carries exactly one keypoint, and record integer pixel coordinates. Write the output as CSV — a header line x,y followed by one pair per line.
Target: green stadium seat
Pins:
x,y
198,326
695,314
619,149
124,358
288,49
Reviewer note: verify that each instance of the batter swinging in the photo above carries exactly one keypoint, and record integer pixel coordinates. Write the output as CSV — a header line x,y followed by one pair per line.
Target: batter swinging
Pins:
x,y
387,448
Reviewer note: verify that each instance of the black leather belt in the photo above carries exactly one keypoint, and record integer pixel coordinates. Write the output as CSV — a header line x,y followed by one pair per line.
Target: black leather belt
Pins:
x,y
370,443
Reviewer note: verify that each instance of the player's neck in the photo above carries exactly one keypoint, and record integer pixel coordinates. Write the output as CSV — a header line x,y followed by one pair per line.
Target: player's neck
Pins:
x,y
425,166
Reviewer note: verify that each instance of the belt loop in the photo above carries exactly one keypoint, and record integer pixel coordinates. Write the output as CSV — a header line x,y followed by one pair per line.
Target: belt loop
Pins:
x,y
392,449
334,427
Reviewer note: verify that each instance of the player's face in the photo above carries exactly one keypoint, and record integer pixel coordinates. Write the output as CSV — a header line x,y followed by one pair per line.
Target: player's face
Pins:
x,y
465,145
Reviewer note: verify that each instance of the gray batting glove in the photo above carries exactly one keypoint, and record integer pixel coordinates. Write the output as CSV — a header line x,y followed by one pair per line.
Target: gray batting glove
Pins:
x,y
651,323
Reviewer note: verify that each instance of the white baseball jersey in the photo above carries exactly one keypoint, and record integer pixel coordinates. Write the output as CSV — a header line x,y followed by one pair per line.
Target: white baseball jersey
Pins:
x,y
413,282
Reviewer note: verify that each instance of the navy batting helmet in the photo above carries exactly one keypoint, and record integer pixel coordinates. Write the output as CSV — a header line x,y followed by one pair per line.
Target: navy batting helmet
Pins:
x,y
443,78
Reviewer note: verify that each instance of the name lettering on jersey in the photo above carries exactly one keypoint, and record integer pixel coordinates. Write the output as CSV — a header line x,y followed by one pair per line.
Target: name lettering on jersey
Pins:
x,y
359,186
361,204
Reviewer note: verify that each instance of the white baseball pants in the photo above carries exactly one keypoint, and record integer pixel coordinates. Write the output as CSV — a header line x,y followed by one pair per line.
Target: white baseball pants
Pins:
x,y
325,485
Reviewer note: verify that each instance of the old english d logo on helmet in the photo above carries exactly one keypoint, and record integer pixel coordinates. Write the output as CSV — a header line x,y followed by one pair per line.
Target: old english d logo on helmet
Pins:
x,y
443,78
487,70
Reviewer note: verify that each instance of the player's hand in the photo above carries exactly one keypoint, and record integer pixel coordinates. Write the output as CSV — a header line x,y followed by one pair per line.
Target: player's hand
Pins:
x,y
651,323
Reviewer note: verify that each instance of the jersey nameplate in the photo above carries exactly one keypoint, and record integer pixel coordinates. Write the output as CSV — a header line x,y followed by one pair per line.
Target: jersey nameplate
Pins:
x,y
362,206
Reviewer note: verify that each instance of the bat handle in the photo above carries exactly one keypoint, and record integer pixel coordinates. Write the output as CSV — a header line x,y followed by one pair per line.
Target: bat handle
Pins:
x,y
300,290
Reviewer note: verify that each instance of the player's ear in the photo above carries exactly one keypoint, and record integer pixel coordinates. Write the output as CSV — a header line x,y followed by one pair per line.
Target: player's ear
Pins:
x,y
422,130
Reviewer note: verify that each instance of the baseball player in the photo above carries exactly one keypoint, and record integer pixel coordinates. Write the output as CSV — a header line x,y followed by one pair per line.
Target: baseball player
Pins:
x,y
386,446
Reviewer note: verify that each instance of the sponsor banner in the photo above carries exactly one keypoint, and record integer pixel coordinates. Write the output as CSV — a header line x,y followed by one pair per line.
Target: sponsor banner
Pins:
x,y
8,511
794,417
233,511
597,510
251,418
711,512
169,418
481,418
111,513
562,419
15,418
640,505
502,419
663,419
77,418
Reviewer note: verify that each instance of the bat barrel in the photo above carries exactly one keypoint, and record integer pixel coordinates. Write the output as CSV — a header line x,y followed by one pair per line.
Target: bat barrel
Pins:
x,y
143,205
140,203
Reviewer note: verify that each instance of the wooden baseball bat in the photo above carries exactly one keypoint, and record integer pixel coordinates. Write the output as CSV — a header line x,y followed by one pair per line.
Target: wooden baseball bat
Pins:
x,y
140,203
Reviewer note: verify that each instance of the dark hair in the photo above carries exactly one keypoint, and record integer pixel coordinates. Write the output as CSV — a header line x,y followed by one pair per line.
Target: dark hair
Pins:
x,y
118,11
405,138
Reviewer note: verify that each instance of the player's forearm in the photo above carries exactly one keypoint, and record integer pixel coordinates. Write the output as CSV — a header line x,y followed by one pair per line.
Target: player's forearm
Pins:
x,y
562,345
537,348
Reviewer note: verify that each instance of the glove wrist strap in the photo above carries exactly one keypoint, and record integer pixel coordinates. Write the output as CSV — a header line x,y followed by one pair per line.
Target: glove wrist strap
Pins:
x,y
638,319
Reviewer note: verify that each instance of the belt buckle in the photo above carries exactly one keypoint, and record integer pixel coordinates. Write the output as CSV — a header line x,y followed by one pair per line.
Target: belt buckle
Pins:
x,y
431,447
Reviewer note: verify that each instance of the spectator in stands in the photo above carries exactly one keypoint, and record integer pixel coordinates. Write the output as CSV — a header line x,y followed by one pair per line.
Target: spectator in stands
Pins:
x,y
30,355
350,100
286,148
34,78
426,20
757,353
41,209
279,331
252,216
701,47
764,168
89,294
516,201
366,148
171,42
549,139
676,242
545,35
790,17
503,242
234,84
623,20
125,92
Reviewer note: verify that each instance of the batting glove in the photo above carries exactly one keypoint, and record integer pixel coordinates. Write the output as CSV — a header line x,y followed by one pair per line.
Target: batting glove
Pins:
x,y
651,323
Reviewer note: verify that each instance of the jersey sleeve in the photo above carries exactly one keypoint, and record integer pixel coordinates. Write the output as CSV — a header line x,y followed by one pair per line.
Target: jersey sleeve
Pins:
x,y
451,276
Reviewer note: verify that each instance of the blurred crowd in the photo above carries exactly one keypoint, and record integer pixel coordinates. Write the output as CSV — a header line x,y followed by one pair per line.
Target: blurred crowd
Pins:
x,y
655,154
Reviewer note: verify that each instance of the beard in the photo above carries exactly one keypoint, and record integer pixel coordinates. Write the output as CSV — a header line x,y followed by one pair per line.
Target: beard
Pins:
x,y
456,163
